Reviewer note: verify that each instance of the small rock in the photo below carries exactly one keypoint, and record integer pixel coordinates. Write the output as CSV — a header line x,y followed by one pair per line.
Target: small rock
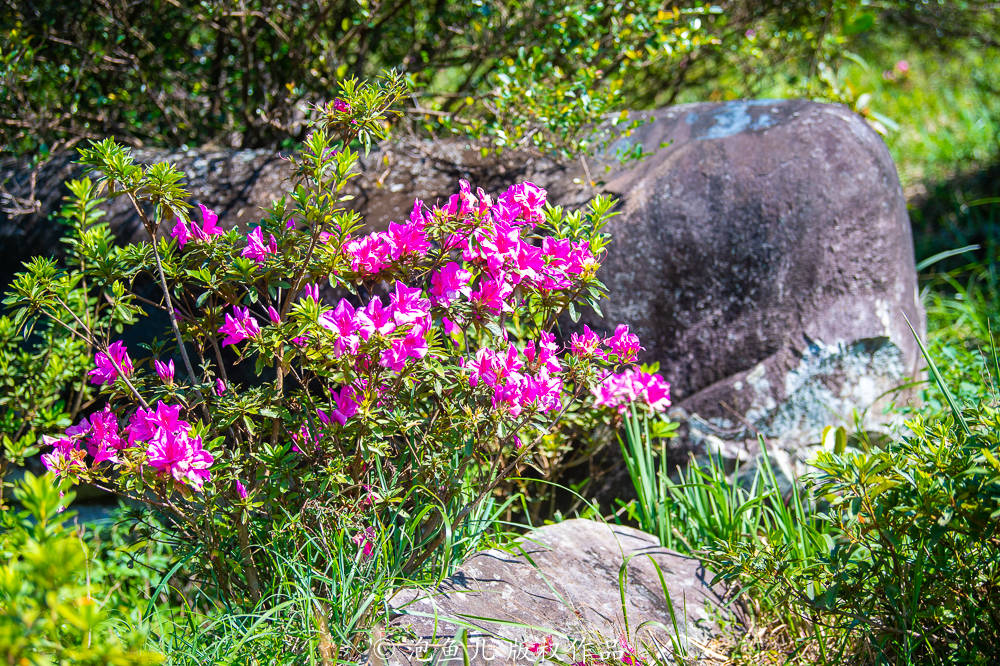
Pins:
x,y
559,581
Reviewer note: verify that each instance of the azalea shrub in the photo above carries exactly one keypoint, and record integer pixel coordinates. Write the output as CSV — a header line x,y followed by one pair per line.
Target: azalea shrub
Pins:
x,y
311,370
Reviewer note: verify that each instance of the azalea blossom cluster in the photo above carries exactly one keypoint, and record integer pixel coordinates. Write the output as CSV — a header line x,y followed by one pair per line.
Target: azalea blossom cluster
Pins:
x,y
403,324
618,391
516,383
165,439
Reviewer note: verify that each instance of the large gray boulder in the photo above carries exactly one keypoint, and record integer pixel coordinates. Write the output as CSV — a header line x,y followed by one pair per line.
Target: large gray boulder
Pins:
x,y
579,582
766,261
763,254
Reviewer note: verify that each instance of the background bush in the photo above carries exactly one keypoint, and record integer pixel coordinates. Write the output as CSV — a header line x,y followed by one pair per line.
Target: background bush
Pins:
x,y
527,72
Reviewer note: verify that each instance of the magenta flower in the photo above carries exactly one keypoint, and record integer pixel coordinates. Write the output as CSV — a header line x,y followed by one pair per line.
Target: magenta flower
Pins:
x,y
481,368
346,402
404,239
409,306
106,372
273,315
61,462
547,352
451,329
368,254
633,385
170,448
185,232
241,490
417,216
341,106
449,283
182,233
341,320
414,345
365,541
464,203
165,371
220,387
146,422
181,457
256,249
527,200
375,318
239,327
100,434
587,344
105,441
494,295
624,344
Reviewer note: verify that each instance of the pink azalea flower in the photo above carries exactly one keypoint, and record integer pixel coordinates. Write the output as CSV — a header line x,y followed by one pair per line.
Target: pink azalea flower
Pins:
x,y
145,423
182,233
464,203
417,214
414,345
527,199
451,329
481,368
210,225
369,254
347,404
508,364
165,371
341,320
182,457
341,106
365,541
239,327
256,249
404,239
375,318
449,283
633,385
273,315
170,448
100,434
63,461
220,387
547,352
408,305
494,295
105,373
241,490
104,441
587,344
185,232
624,344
